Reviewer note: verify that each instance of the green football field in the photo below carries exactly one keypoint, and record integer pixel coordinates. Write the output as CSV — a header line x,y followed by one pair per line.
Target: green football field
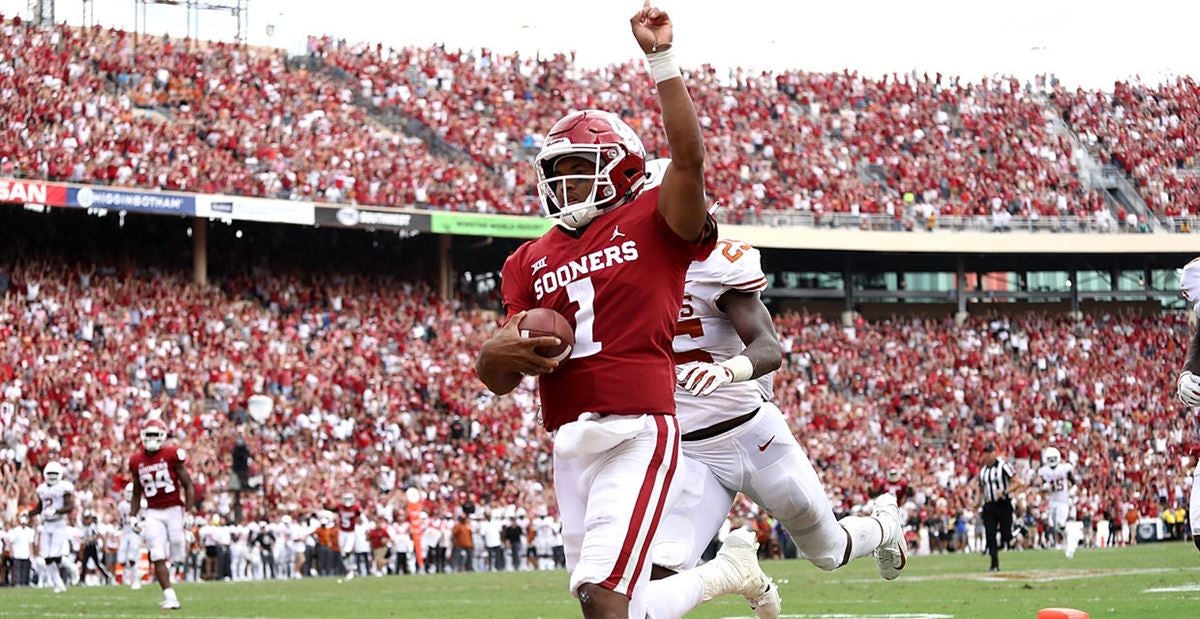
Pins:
x,y
1155,580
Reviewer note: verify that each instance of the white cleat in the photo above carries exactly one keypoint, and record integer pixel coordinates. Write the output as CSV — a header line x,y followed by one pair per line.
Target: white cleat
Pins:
x,y
889,556
169,605
736,570
136,585
60,588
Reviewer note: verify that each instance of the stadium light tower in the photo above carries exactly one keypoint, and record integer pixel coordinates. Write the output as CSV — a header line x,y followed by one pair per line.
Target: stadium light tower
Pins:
x,y
42,12
238,8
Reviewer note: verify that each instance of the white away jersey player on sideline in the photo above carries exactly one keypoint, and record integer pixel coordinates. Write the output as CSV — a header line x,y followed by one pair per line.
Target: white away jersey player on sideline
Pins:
x,y
55,540
1058,480
131,543
1058,495
704,333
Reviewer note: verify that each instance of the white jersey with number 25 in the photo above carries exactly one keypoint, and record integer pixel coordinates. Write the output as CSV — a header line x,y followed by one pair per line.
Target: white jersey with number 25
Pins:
x,y
705,333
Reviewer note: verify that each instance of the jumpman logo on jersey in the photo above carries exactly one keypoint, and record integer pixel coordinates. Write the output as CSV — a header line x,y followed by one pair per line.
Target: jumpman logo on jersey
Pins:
x,y
617,233
539,265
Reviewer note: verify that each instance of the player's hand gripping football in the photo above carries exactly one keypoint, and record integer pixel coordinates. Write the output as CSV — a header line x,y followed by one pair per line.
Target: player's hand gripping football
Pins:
x,y
652,29
516,353
701,379
1189,389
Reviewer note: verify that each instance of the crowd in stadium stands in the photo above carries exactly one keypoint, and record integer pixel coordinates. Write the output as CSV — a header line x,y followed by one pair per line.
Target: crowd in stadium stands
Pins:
x,y
373,392
100,105
1150,133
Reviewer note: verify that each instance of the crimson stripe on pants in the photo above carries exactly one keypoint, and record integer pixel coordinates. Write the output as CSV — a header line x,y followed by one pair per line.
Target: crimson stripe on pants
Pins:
x,y
658,510
639,508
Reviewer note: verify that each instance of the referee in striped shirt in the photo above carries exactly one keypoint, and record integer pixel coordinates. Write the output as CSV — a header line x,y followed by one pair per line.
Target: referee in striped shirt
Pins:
x,y
996,481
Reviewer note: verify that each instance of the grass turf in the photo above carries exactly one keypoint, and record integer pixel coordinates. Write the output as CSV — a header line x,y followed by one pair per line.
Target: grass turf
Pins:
x,y
1104,583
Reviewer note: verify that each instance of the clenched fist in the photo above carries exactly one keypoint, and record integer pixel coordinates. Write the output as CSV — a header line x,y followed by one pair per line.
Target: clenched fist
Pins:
x,y
652,29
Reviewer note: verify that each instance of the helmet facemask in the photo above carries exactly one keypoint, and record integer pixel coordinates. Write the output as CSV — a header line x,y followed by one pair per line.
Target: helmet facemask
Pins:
x,y
1052,457
153,438
53,473
552,187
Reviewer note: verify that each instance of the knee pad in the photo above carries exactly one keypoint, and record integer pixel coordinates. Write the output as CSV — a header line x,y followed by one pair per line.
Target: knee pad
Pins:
x,y
670,554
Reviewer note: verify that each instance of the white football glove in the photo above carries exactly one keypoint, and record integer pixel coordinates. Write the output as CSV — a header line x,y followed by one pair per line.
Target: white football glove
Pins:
x,y
701,379
137,524
1189,389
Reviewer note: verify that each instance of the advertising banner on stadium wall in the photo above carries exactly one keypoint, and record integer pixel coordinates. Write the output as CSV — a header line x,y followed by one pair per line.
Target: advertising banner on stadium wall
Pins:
x,y
19,191
392,221
155,203
511,226
255,209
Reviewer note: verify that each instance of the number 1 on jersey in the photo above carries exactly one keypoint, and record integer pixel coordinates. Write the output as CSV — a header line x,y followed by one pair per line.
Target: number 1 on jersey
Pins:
x,y
582,292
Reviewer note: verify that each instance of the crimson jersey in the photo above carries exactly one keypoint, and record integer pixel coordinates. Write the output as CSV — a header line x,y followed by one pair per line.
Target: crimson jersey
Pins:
x,y
620,285
156,473
899,489
348,517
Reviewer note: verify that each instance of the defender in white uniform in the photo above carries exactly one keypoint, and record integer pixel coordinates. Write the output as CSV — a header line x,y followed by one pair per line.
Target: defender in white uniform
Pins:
x,y
1189,382
734,440
130,550
1057,479
56,501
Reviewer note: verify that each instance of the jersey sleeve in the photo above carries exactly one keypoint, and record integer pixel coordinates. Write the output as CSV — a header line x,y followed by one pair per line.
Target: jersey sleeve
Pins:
x,y
67,487
514,287
734,266
1189,282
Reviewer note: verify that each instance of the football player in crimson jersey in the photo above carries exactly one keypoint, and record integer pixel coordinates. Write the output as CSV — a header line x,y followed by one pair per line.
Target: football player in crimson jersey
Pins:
x,y
348,513
160,477
1189,381
614,267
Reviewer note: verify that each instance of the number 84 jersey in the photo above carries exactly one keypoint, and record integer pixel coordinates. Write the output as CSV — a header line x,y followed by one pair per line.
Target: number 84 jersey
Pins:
x,y
156,473
705,333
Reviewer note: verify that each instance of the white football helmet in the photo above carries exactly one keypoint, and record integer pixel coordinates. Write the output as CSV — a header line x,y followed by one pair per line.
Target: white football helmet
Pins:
x,y
154,434
1051,457
1189,284
348,499
618,161
53,473
129,492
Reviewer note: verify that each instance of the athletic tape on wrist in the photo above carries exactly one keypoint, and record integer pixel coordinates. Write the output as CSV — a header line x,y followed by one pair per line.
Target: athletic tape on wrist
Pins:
x,y
741,366
663,66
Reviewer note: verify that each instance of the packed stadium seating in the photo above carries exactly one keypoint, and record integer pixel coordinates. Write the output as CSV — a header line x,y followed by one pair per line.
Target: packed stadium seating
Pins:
x,y
794,147
1149,132
368,374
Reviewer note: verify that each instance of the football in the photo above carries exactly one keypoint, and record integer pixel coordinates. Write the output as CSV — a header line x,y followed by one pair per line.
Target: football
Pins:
x,y
541,321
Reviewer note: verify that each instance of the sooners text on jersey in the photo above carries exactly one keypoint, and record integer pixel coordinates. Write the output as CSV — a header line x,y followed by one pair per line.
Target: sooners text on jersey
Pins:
x,y
156,473
619,284
705,333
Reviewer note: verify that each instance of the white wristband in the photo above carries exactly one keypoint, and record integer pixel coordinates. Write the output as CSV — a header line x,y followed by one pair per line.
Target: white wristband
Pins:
x,y
741,366
663,66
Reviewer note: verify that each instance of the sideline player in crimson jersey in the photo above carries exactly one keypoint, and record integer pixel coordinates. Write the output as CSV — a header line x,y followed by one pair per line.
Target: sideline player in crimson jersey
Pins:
x,y
348,513
1189,382
614,267
736,440
160,477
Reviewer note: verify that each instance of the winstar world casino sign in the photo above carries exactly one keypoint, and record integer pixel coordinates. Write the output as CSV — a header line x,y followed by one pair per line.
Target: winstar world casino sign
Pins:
x,y
32,192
